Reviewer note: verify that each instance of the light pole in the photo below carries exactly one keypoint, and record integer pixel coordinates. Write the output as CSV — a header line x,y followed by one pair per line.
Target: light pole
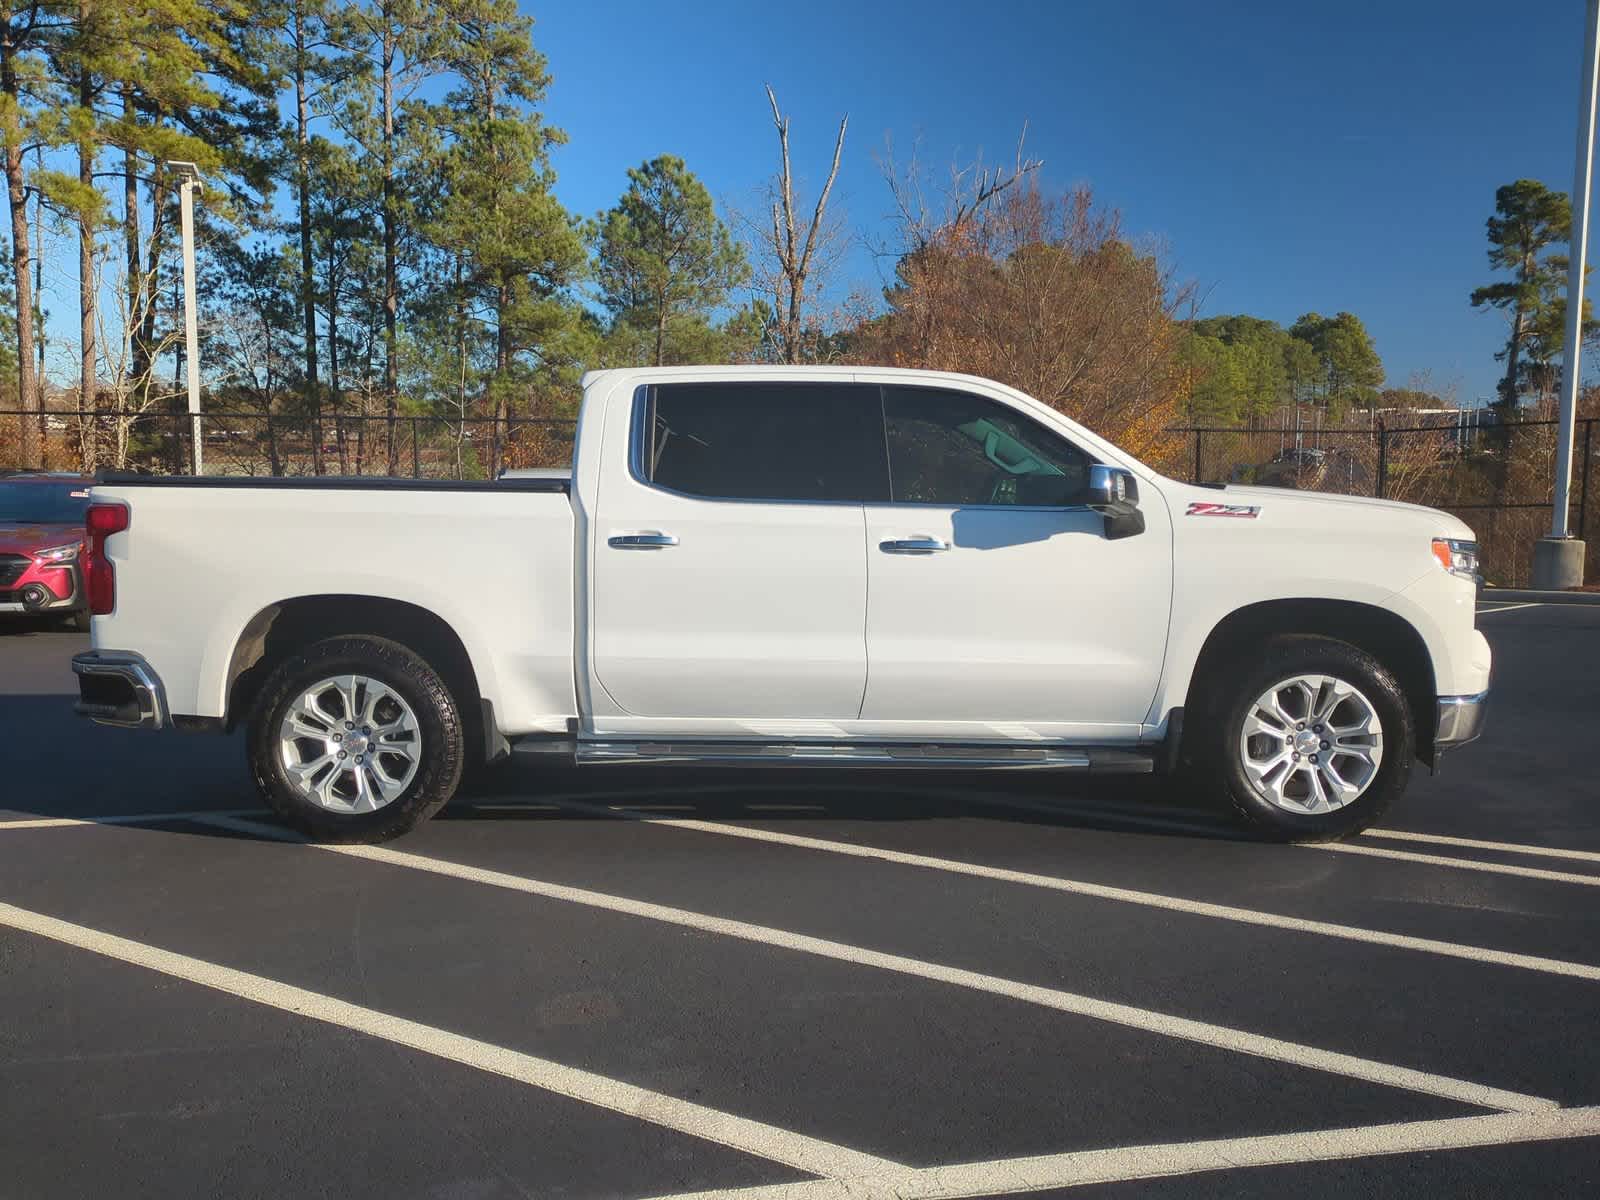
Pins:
x,y
188,181
1558,559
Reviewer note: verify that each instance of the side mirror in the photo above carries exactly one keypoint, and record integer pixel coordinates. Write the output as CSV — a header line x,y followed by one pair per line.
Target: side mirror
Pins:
x,y
1114,493
1109,486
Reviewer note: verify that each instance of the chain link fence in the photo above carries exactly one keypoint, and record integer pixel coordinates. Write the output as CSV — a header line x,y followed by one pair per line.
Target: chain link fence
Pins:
x,y
261,444
1497,477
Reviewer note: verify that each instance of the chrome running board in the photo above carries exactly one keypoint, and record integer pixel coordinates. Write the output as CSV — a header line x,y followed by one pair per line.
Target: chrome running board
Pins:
x,y
899,755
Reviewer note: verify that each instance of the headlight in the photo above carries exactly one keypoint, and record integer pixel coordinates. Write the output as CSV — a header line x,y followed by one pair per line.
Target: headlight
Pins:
x,y
1457,557
58,554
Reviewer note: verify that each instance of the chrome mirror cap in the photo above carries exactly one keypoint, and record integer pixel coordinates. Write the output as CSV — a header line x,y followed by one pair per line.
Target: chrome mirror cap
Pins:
x,y
1111,485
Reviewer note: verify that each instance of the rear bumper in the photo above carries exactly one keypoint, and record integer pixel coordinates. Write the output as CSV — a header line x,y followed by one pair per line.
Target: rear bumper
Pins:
x,y
1460,720
117,687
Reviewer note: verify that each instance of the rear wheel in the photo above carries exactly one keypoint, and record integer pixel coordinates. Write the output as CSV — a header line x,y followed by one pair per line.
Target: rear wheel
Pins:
x,y
1312,742
356,739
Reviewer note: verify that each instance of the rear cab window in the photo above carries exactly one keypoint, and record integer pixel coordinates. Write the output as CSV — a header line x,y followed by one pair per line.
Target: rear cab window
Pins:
x,y
783,442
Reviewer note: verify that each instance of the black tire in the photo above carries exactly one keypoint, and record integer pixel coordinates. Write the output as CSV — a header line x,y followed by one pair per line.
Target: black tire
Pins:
x,y
396,667
79,621
1218,761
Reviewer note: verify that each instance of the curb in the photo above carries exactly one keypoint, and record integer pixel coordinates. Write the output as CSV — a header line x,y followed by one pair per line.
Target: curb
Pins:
x,y
1529,596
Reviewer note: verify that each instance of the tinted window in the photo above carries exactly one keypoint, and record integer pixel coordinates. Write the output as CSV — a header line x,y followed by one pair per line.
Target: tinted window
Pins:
x,y
43,503
949,447
768,441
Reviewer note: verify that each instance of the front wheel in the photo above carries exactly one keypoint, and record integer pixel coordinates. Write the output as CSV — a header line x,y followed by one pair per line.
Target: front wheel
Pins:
x,y
1312,742
356,739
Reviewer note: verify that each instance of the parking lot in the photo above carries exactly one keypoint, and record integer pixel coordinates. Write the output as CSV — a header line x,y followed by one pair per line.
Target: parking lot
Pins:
x,y
622,982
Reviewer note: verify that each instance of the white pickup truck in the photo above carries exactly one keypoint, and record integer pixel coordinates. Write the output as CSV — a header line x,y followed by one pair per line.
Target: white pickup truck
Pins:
x,y
810,566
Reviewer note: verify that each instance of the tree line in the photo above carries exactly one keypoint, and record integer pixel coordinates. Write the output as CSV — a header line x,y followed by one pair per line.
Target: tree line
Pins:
x,y
422,261
380,235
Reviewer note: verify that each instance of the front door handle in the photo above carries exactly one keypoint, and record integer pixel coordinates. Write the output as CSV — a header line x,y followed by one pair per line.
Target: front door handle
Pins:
x,y
914,545
651,540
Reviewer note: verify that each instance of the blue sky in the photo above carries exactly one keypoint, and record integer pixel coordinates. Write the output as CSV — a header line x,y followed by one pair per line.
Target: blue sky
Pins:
x,y
1292,157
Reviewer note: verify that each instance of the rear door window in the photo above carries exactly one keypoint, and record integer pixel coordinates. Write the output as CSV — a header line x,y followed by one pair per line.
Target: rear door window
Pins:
x,y
766,441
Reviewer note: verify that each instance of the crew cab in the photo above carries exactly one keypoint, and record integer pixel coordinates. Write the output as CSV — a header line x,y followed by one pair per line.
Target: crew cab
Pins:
x,y
791,565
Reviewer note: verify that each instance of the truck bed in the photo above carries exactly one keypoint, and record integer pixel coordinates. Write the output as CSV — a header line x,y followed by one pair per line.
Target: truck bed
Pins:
x,y
205,558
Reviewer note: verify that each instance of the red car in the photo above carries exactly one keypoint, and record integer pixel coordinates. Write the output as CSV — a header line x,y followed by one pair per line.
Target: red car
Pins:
x,y
41,534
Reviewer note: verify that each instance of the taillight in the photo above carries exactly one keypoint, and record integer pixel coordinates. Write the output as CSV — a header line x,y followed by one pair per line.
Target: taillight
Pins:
x,y
99,576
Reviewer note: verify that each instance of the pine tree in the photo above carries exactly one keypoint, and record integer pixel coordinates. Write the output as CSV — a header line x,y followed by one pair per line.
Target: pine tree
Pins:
x,y
664,258
29,100
1529,219
519,252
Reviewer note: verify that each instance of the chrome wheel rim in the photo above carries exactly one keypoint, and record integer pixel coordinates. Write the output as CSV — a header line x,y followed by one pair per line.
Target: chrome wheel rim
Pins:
x,y
350,744
1311,744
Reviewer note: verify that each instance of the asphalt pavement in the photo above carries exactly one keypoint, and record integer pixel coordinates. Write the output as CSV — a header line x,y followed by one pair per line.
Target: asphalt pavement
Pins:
x,y
637,982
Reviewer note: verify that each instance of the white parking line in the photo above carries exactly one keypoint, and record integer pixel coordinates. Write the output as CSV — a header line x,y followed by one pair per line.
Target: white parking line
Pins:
x,y
1220,1036
1004,1177
1200,908
1438,839
1510,607
131,819
1459,864
752,1137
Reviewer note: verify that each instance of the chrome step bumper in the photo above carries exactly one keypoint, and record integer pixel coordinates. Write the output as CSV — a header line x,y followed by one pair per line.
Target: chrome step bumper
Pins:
x,y
1460,720
117,687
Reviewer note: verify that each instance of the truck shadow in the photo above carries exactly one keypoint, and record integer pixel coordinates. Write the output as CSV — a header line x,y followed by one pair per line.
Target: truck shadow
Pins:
x,y
1132,804
67,767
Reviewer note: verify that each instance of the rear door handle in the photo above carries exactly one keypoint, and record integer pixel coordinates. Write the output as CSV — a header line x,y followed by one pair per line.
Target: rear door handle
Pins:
x,y
914,545
650,540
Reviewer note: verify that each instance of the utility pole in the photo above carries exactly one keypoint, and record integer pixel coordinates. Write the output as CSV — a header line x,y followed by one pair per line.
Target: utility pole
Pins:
x,y
189,180
1558,559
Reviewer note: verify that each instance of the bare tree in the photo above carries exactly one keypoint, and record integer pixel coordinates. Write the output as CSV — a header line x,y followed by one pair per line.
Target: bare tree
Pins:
x,y
969,189
130,381
793,256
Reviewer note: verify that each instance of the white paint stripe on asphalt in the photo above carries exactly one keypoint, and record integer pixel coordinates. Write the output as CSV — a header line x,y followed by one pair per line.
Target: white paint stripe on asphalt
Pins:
x,y
1220,1036
1201,908
1460,864
130,819
1003,1177
1511,607
752,1137
1439,839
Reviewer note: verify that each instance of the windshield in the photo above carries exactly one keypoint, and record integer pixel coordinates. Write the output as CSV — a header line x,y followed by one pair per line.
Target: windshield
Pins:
x,y
43,503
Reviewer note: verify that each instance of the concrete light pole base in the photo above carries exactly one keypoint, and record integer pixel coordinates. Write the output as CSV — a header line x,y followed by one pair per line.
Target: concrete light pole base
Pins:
x,y
1557,564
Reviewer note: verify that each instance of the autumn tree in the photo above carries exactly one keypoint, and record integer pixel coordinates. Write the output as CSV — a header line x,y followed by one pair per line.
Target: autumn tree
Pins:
x,y
665,262
1043,291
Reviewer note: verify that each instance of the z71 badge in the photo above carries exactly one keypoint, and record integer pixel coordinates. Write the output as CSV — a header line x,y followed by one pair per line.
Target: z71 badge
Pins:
x,y
1248,511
